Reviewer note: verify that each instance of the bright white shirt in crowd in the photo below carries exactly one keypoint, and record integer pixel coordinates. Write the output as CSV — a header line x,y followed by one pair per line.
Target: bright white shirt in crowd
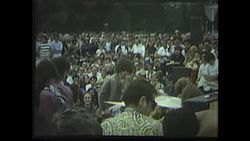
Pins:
x,y
138,49
69,80
108,46
201,71
88,87
162,52
213,51
211,70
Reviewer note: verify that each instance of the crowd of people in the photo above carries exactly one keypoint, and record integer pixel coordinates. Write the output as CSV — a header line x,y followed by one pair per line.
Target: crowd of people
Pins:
x,y
77,73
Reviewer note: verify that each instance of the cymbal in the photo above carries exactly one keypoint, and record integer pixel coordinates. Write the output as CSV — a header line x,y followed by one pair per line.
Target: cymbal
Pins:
x,y
168,101
115,103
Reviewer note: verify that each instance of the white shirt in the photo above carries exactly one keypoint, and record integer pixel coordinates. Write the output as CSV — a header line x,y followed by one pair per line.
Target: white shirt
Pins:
x,y
163,52
211,70
88,87
138,49
201,71
69,80
108,46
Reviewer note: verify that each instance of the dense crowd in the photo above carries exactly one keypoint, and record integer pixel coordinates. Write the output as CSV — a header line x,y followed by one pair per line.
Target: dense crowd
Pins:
x,y
85,70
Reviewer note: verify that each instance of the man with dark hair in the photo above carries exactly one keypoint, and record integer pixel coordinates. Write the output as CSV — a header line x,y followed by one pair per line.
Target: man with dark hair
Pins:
x,y
76,122
135,120
180,123
63,67
177,57
111,90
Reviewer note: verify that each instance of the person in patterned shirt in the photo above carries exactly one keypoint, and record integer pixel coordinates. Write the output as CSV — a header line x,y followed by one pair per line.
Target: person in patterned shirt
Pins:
x,y
135,120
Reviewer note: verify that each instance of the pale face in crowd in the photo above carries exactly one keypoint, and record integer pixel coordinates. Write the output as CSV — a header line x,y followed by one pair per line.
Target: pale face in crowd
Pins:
x,y
87,98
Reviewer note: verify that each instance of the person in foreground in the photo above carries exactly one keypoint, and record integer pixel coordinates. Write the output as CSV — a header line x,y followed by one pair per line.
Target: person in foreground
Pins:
x,y
135,120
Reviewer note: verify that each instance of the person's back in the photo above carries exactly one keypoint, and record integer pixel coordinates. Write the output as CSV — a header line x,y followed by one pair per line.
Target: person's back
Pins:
x,y
131,123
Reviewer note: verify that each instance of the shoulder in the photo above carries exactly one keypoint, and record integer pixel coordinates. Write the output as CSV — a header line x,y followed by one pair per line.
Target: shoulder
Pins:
x,y
45,93
153,122
152,127
107,123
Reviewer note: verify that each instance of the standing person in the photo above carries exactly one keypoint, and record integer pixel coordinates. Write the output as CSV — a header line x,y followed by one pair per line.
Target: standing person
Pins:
x,y
44,50
51,98
135,120
44,100
111,90
63,67
56,47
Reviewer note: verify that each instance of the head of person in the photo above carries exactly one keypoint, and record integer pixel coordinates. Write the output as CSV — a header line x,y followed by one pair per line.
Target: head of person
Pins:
x,y
93,80
180,123
190,91
180,84
209,58
94,70
87,99
44,39
177,50
56,38
140,95
76,122
203,58
62,65
123,68
46,74
193,49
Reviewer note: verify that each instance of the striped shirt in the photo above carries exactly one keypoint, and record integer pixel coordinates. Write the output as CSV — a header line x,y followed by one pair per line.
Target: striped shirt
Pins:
x,y
44,50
